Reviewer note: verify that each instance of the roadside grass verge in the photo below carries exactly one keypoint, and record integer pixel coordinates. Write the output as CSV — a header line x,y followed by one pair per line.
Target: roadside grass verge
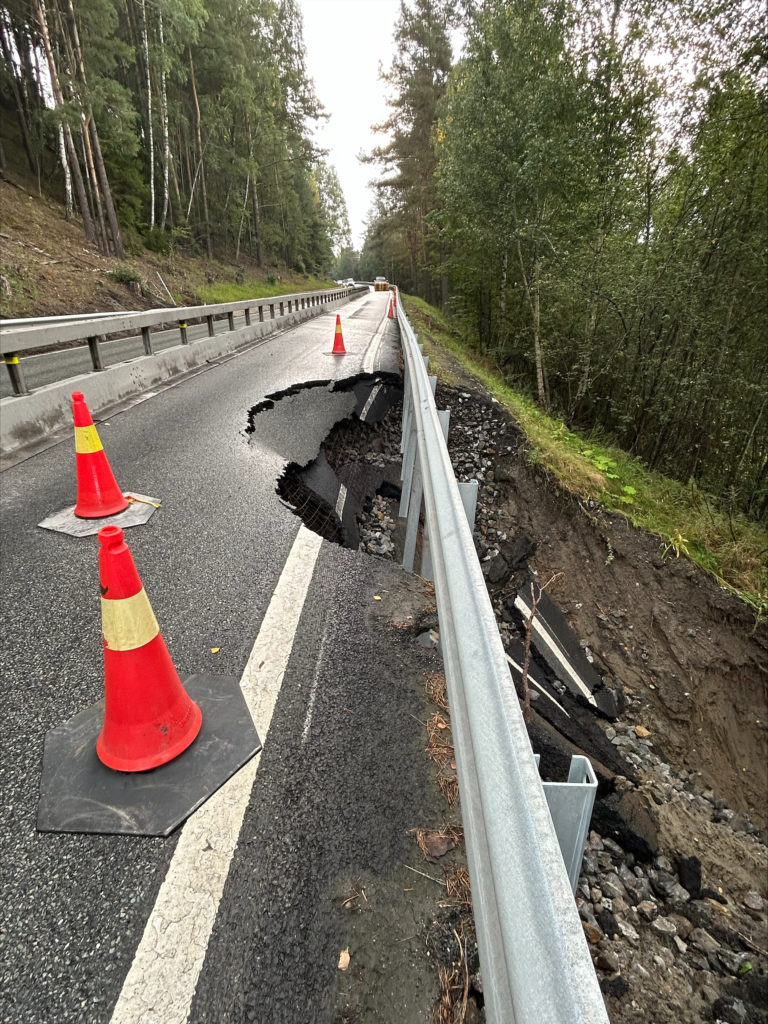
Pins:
x,y
688,522
255,288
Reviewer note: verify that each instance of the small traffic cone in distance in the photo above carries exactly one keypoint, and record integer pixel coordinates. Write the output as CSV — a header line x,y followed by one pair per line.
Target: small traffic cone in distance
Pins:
x,y
149,718
394,297
98,493
338,340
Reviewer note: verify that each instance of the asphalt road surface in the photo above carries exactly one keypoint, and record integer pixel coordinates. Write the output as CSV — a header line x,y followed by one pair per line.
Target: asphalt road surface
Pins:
x,y
128,929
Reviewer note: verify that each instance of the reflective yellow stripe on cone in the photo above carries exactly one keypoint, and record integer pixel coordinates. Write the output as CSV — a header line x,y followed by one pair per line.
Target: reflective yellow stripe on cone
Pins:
x,y
128,623
87,440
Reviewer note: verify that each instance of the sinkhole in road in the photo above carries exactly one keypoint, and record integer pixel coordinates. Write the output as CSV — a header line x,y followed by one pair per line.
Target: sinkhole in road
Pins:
x,y
341,440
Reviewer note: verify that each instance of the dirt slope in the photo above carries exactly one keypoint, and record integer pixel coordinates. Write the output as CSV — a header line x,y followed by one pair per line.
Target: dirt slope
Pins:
x,y
47,268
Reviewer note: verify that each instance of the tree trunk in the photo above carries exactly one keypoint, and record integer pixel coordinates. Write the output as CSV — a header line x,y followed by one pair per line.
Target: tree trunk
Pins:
x,y
150,128
101,171
257,226
71,153
91,181
20,112
532,295
67,175
445,291
203,192
255,203
242,217
88,149
164,116
737,474
503,302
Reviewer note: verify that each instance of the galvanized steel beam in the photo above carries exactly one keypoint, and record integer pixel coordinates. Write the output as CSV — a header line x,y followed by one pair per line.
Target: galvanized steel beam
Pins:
x,y
534,958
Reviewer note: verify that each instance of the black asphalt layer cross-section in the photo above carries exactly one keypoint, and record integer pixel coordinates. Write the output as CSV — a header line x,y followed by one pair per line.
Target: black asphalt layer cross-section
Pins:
x,y
74,907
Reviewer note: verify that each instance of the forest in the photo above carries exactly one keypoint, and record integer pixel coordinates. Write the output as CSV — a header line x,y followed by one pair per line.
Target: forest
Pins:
x,y
172,124
580,185
583,188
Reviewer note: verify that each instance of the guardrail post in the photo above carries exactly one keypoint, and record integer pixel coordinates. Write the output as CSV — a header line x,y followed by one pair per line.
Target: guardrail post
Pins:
x,y
409,455
407,403
570,807
290,310
183,329
468,494
14,372
211,331
282,309
407,408
414,513
247,317
444,416
93,346
261,314
231,319
406,476
146,340
272,310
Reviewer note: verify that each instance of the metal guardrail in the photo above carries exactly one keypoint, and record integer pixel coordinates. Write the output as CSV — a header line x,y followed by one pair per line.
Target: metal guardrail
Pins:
x,y
535,963
62,318
19,339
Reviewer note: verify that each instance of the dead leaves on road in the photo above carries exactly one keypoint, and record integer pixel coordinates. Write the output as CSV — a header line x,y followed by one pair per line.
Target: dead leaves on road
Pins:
x,y
442,753
435,843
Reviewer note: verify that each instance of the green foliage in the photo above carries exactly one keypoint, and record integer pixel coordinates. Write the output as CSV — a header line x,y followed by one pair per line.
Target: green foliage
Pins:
x,y
158,240
204,110
256,289
599,221
347,264
127,274
407,192
689,522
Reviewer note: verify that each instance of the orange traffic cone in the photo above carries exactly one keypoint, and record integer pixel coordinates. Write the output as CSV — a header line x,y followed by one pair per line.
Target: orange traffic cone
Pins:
x,y
98,494
338,340
391,310
149,718
394,297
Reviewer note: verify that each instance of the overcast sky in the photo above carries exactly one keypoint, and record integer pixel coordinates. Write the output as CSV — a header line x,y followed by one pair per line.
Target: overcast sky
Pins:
x,y
346,40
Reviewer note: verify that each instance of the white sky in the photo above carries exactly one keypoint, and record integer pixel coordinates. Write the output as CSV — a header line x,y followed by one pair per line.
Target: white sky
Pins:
x,y
346,40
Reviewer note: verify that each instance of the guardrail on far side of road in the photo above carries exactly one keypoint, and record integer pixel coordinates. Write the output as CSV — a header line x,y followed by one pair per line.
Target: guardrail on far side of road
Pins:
x,y
28,415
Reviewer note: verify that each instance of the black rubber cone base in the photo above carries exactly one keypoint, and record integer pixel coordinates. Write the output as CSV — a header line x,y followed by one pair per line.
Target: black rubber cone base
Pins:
x,y
80,794
138,512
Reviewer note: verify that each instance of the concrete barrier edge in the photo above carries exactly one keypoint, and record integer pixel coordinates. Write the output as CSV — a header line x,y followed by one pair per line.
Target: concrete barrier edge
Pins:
x,y
26,419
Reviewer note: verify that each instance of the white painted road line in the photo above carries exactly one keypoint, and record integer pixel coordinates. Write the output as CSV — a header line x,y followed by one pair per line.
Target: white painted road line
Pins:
x,y
313,690
372,352
538,686
340,501
369,403
161,982
561,657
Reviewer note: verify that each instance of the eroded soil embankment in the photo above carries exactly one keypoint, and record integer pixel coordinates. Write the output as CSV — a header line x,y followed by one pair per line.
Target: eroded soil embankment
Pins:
x,y
662,627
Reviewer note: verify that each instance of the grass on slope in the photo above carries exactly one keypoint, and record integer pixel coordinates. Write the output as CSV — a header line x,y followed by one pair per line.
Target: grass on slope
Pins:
x,y
730,547
255,288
